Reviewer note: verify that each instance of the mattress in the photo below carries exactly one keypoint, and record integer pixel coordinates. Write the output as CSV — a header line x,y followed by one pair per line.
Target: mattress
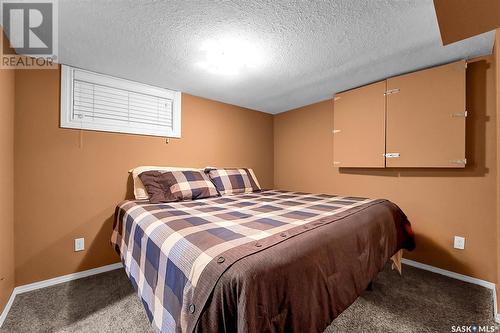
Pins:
x,y
270,261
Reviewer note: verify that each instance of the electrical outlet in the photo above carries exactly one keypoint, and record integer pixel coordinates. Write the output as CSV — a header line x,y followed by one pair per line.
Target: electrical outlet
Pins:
x,y
459,243
79,244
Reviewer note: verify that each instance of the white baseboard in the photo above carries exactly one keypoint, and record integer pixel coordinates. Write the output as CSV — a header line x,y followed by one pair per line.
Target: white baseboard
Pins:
x,y
7,307
461,277
79,275
457,276
51,282
65,278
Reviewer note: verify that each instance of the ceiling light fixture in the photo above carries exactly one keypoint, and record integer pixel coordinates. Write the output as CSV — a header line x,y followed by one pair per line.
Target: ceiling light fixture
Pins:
x,y
229,56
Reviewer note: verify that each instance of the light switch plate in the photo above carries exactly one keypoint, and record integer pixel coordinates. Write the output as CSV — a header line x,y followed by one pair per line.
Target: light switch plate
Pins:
x,y
79,244
459,243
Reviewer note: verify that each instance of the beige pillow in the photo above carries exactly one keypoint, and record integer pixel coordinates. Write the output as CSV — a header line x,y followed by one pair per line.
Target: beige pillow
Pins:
x,y
254,178
140,192
208,168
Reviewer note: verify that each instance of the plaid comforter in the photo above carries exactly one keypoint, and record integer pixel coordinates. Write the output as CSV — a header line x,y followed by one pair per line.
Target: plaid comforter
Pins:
x,y
174,253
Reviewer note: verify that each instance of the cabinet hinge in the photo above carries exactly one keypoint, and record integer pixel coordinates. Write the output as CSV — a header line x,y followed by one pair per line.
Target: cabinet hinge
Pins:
x,y
392,155
391,91
461,162
336,163
460,114
335,131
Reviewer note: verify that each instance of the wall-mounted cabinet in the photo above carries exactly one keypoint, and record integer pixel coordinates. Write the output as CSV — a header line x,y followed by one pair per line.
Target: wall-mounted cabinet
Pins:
x,y
413,120
359,118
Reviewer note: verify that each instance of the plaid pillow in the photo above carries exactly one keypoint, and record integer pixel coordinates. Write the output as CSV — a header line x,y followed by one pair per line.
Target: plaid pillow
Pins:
x,y
233,180
177,185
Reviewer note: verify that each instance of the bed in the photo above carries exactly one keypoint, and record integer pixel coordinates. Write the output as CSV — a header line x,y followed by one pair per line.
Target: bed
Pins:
x,y
269,261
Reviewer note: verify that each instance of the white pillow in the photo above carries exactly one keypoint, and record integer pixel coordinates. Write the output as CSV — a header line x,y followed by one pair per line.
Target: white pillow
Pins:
x,y
250,170
140,192
254,178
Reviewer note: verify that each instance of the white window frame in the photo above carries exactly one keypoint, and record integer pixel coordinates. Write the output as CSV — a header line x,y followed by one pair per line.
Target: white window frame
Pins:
x,y
67,79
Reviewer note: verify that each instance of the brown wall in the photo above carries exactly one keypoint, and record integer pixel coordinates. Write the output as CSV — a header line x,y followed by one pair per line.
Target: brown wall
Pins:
x,y
461,19
440,203
497,67
7,81
68,181
67,186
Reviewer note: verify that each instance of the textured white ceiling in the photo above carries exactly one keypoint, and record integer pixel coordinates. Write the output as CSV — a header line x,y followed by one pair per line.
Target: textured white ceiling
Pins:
x,y
308,49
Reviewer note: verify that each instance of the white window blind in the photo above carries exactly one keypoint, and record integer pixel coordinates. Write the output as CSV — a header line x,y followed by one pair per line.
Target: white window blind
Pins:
x,y
99,102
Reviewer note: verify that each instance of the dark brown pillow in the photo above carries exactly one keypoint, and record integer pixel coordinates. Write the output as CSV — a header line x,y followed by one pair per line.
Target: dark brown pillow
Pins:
x,y
177,185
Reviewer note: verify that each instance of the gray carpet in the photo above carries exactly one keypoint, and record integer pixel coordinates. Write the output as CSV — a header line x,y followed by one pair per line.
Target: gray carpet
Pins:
x,y
418,301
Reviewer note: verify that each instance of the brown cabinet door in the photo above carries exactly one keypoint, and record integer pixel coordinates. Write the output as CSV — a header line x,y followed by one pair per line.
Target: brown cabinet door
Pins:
x,y
359,127
426,118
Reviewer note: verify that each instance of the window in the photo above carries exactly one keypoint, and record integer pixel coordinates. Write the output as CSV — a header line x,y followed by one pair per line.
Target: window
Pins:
x,y
104,103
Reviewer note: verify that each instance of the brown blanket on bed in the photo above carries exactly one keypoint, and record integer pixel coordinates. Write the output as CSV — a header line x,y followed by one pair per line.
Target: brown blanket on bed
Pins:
x,y
272,261
302,284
